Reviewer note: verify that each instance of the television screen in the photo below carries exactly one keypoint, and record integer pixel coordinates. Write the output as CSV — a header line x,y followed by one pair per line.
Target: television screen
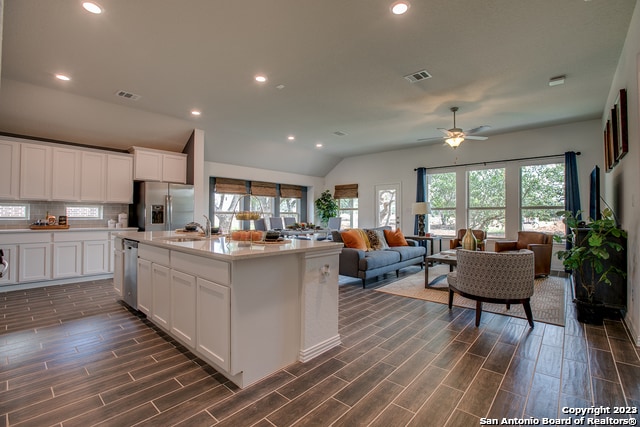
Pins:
x,y
594,194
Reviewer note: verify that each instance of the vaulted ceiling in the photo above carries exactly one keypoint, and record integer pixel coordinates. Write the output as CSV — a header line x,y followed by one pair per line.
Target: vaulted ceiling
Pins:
x,y
335,73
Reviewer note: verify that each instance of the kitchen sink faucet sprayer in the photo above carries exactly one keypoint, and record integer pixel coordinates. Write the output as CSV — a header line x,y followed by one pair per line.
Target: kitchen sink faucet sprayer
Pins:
x,y
207,230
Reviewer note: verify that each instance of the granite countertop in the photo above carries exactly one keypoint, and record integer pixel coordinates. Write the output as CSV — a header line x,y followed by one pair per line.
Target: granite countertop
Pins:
x,y
64,230
219,247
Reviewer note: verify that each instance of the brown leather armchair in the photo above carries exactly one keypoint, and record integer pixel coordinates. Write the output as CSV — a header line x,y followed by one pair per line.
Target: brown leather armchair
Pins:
x,y
541,244
481,236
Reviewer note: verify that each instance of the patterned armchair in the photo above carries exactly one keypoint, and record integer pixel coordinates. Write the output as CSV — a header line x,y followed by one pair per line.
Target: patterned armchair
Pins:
x,y
481,237
540,243
494,277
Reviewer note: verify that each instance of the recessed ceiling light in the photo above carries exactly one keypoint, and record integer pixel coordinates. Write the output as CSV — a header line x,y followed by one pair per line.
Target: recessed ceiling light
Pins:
x,y
291,137
319,145
556,81
260,78
92,7
195,112
400,7
63,77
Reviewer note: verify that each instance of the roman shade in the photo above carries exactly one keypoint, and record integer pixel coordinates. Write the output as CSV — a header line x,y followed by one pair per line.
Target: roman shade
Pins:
x,y
259,188
291,191
230,186
346,191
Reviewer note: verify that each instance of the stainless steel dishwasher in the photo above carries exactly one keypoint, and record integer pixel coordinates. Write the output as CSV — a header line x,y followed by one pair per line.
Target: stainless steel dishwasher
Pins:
x,y
130,285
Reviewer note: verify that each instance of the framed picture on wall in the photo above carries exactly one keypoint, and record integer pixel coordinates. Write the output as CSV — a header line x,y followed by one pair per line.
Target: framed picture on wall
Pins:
x,y
608,161
622,131
614,135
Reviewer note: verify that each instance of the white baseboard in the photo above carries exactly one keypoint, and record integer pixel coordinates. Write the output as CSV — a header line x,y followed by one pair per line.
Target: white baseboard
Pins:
x,y
309,353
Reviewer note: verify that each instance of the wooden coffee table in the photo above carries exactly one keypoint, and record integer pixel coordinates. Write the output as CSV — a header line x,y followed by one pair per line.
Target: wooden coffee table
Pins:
x,y
445,257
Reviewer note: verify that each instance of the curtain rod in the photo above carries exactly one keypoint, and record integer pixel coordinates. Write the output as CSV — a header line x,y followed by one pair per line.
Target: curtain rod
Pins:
x,y
500,161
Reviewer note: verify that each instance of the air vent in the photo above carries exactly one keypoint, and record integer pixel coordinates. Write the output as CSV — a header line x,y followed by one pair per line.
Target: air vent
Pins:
x,y
339,133
418,76
128,95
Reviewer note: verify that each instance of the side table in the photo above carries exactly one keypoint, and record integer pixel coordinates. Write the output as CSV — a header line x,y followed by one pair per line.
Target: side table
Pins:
x,y
423,239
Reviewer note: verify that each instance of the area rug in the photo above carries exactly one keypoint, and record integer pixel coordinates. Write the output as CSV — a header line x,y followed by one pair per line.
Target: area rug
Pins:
x,y
547,303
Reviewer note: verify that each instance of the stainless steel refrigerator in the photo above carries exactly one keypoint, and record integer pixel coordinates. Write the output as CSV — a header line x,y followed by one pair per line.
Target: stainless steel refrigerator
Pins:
x,y
159,206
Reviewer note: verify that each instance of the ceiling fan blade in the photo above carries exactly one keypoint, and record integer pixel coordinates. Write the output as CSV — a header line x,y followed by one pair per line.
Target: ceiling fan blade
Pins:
x,y
433,138
478,129
477,138
445,131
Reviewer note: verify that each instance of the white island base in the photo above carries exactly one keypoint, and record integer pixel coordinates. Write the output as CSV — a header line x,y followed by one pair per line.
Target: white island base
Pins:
x,y
247,311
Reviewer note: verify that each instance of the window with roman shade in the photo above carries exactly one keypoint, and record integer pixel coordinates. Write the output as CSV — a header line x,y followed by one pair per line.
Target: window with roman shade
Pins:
x,y
259,188
230,186
291,191
347,196
290,201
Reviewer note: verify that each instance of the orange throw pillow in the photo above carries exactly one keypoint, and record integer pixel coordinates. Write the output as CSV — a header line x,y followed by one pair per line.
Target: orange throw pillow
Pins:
x,y
353,239
395,238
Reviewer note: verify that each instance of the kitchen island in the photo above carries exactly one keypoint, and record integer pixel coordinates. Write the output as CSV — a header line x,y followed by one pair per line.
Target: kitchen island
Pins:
x,y
248,310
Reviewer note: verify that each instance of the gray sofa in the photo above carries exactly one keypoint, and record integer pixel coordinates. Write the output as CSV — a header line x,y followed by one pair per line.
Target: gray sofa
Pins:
x,y
368,264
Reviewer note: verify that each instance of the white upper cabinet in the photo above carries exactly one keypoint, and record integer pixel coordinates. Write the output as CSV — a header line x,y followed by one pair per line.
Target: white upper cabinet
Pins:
x,y
9,169
157,165
174,168
93,176
35,171
65,180
119,178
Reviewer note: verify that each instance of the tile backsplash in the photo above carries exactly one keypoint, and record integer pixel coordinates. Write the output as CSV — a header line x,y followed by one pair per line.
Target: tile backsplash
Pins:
x,y
38,210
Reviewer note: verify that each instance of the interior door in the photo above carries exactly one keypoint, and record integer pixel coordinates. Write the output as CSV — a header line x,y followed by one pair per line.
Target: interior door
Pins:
x,y
388,207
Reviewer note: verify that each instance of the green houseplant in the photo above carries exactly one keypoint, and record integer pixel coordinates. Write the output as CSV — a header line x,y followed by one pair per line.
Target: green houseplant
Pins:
x,y
588,259
326,206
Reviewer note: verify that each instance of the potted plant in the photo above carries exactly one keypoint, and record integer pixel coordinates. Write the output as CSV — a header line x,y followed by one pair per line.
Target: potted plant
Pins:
x,y
326,206
587,259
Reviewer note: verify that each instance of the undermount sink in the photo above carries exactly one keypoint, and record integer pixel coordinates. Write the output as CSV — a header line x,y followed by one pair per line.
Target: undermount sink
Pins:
x,y
183,239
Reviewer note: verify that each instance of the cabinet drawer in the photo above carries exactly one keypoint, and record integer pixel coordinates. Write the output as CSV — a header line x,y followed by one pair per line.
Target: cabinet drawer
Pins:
x,y
27,237
154,254
80,236
207,268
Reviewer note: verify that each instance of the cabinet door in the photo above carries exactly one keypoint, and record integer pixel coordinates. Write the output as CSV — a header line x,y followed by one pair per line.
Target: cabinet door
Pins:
x,y
95,257
67,259
35,172
161,281
183,307
93,176
34,261
65,170
174,168
147,166
118,272
10,275
119,179
9,169
145,287
213,324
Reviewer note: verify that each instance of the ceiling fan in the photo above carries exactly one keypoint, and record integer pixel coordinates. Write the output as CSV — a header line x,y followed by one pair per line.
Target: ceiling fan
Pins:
x,y
455,135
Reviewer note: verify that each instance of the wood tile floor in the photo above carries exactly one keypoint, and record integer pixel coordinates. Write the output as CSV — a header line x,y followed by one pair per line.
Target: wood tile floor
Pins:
x,y
71,355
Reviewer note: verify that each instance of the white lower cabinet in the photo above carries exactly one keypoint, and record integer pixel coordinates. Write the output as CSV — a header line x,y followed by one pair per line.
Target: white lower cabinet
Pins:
x,y
67,259
183,302
35,262
213,323
161,280
145,287
95,257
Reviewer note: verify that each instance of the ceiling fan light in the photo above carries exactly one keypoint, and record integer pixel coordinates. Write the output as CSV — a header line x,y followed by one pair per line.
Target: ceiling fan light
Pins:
x,y
454,141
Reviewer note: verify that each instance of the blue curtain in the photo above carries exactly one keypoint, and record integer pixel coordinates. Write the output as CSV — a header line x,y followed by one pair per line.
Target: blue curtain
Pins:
x,y
421,194
572,187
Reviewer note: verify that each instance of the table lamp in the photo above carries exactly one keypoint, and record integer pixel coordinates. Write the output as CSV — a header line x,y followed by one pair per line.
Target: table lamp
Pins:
x,y
421,209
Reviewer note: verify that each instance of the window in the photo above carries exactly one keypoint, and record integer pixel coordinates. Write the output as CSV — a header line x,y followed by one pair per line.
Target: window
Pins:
x,y
224,204
84,212
262,204
14,211
541,196
290,207
486,207
347,197
442,198
348,213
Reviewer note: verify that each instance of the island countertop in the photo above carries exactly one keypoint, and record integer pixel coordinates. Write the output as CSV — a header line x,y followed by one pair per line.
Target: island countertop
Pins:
x,y
219,247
